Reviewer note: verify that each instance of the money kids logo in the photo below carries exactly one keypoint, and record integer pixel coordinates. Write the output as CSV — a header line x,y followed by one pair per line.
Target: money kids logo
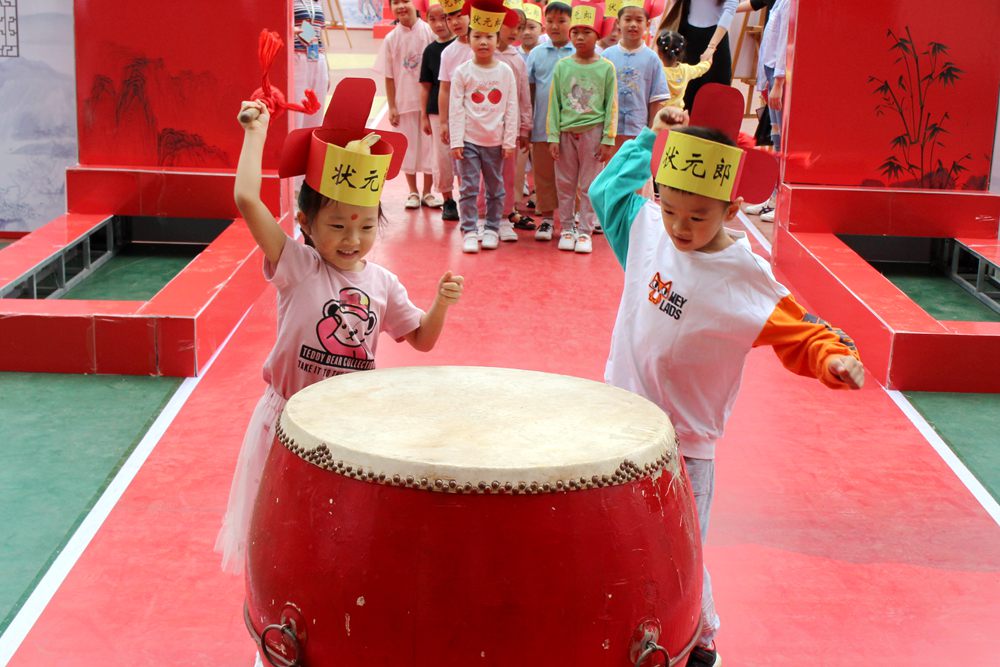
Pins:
x,y
663,296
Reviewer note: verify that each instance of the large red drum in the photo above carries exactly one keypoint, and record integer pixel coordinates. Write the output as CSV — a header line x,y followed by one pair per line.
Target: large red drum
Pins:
x,y
455,516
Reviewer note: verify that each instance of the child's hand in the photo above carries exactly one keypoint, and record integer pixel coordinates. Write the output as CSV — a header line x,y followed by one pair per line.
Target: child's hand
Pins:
x,y
669,117
254,122
604,153
445,135
450,287
554,151
393,117
848,370
508,153
425,124
708,53
458,153
523,144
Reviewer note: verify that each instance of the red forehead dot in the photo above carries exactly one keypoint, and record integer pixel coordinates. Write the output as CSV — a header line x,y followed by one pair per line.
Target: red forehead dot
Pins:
x,y
354,216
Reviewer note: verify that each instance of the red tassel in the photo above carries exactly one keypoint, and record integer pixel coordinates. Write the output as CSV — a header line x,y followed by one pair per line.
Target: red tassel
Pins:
x,y
268,46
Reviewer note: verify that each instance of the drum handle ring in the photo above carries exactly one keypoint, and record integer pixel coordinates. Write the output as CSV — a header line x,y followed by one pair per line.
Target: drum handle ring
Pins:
x,y
651,649
286,629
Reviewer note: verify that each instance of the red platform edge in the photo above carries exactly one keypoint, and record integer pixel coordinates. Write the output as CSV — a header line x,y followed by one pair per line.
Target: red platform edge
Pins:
x,y
177,331
900,343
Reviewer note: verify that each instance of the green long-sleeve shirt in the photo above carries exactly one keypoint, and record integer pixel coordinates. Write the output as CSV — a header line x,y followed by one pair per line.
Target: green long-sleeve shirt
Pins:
x,y
581,96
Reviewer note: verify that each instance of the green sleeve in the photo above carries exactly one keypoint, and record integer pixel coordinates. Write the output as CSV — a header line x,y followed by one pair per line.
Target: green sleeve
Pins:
x,y
611,108
552,122
613,196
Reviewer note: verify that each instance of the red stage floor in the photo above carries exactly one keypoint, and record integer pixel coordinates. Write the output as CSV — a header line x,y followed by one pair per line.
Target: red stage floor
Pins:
x,y
839,537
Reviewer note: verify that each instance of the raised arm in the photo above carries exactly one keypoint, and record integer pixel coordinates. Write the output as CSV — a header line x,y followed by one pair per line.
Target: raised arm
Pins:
x,y
264,228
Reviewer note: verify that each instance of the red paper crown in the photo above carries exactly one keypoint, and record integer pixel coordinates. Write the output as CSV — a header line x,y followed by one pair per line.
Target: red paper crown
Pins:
x,y
344,121
510,17
720,107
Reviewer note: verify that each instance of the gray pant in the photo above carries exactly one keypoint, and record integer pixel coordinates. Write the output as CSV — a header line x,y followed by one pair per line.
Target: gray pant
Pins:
x,y
576,169
701,472
488,161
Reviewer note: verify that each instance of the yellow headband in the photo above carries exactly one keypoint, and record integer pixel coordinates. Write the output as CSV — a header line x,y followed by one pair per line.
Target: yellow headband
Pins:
x,y
514,4
700,166
452,6
532,12
612,7
485,21
346,176
584,16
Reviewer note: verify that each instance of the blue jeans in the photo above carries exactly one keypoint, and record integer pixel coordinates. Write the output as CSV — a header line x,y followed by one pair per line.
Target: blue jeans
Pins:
x,y
488,161
775,115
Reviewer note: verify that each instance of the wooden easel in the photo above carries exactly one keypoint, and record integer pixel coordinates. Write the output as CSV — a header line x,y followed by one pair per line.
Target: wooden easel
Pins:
x,y
337,22
755,32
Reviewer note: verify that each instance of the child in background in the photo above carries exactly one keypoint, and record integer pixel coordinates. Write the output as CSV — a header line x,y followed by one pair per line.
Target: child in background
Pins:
x,y
582,124
678,73
642,87
506,53
483,124
309,66
529,40
399,60
454,55
332,302
696,298
430,65
541,64
610,39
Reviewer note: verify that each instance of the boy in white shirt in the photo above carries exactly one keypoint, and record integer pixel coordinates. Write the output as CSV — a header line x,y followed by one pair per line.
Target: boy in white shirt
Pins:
x,y
483,124
399,60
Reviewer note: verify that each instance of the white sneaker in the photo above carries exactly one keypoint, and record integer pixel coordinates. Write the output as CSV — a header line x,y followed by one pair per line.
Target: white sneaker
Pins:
x,y
583,244
767,216
413,201
567,240
507,232
544,231
480,226
757,209
490,240
470,242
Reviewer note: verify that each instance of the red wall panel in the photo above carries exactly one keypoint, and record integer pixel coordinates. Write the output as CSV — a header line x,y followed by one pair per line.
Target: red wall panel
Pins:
x,y
831,112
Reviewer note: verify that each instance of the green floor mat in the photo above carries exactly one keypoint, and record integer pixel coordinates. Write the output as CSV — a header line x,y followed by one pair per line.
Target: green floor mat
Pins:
x,y
134,274
968,423
64,438
939,295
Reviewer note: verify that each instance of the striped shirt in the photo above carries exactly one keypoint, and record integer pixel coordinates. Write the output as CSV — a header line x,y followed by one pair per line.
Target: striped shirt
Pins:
x,y
308,11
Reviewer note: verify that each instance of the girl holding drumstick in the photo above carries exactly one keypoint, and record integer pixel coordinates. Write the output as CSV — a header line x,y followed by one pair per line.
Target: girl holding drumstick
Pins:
x,y
332,302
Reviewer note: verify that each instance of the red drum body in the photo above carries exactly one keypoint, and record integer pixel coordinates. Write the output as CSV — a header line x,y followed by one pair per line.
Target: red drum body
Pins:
x,y
360,564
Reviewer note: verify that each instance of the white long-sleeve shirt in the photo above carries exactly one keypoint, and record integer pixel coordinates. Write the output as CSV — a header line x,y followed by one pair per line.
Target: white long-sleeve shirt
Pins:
x,y
774,43
483,106
709,13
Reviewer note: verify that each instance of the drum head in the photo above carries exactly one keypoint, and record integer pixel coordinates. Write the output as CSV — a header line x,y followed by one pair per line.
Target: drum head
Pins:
x,y
478,430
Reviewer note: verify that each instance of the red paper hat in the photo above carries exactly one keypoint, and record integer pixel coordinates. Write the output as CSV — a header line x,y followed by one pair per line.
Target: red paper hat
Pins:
x,y
653,8
589,14
489,15
308,150
424,6
710,168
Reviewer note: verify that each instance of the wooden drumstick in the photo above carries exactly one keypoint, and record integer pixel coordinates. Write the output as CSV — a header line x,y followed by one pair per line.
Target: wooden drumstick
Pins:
x,y
249,114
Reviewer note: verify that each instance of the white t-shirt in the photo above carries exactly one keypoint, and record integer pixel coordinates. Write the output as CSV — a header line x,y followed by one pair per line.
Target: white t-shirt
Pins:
x,y
453,55
483,105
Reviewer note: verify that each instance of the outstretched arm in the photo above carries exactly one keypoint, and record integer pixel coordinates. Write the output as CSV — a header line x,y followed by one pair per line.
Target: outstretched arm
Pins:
x,y
425,336
264,228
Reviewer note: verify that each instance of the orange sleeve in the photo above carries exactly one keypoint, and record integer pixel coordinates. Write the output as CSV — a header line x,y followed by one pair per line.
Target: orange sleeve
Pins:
x,y
804,342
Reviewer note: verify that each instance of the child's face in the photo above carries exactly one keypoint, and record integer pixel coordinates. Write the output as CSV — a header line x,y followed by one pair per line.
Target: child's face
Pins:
x,y
612,37
459,24
505,37
529,36
342,233
584,40
404,11
695,222
483,45
557,27
633,25
438,22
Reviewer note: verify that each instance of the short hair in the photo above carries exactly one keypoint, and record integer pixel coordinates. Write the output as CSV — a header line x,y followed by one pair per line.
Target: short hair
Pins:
x,y
644,12
560,7
311,202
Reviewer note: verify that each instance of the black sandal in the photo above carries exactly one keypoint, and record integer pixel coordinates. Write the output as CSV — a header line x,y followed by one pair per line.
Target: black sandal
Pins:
x,y
522,222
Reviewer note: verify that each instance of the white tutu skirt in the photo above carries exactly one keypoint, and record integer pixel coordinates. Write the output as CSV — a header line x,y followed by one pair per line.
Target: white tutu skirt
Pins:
x,y
232,539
